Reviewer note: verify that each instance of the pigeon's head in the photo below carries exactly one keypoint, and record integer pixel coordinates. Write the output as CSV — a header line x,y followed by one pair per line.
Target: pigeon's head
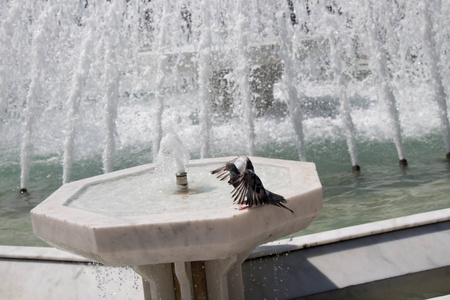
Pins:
x,y
232,168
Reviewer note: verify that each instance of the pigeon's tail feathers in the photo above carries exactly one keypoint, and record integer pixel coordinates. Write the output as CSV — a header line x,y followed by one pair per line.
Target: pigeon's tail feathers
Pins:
x,y
275,197
277,200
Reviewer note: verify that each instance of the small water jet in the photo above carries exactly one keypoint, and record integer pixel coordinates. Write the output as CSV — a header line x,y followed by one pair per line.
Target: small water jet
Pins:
x,y
341,86
173,149
79,81
242,70
386,89
112,83
204,73
162,69
429,37
286,55
34,93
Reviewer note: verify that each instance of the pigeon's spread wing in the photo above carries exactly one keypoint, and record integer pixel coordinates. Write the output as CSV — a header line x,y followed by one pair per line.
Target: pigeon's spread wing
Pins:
x,y
249,165
250,190
221,172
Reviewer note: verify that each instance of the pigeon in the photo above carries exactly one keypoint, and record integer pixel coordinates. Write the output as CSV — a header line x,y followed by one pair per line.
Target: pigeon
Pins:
x,y
233,169
248,188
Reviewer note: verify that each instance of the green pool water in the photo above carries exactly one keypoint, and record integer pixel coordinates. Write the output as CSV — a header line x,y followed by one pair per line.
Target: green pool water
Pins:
x,y
382,190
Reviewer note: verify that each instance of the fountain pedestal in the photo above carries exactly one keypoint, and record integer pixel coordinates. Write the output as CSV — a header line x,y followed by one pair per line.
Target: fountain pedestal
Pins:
x,y
171,246
212,279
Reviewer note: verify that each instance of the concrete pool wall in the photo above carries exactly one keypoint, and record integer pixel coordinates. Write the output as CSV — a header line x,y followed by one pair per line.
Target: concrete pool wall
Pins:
x,y
407,256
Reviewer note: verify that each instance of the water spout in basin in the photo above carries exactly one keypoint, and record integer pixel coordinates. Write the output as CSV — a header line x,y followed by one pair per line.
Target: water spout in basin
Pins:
x,y
173,155
204,75
79,79
242,75
111,84
336,54
380,61
34,95
288,79
161,71
440,96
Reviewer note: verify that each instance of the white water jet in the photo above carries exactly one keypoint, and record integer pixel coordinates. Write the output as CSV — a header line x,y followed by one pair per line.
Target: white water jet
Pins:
x,y
7,30
242,69
112,83
293,100
434,60
386,89
341,85
78,84
172,149
204,75
344,107
134,48
34,95
162,69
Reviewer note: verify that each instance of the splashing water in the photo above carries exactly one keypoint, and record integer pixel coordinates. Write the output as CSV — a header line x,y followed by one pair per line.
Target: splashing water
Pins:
x,y
172,148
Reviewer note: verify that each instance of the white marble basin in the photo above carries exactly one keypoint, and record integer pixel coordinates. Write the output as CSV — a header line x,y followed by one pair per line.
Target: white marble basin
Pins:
x,y
131,217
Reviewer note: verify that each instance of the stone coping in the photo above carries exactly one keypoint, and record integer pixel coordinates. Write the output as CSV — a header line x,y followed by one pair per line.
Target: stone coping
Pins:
x,y
352,232
39,253
285,245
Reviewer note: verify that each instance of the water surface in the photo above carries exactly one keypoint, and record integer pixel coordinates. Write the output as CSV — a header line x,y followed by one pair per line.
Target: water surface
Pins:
x,y
381,191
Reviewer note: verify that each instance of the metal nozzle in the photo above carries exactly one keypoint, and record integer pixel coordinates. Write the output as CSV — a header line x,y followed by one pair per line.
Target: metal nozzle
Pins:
x,y
182,182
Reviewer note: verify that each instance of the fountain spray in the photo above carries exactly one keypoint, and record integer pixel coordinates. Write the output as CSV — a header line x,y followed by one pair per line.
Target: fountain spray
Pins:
x,y
386,89
204,75
34,95
162,69
172,146
242,70
336,54
435,69
295,111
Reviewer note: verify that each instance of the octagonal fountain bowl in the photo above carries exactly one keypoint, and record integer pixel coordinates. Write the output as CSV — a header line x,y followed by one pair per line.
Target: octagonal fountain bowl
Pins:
x,y
182,243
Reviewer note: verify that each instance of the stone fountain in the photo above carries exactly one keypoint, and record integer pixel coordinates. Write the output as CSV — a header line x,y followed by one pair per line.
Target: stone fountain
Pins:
x,y
262,77
189,244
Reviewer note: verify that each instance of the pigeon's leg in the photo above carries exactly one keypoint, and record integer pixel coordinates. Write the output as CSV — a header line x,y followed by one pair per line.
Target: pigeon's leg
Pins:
x,y
243,207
